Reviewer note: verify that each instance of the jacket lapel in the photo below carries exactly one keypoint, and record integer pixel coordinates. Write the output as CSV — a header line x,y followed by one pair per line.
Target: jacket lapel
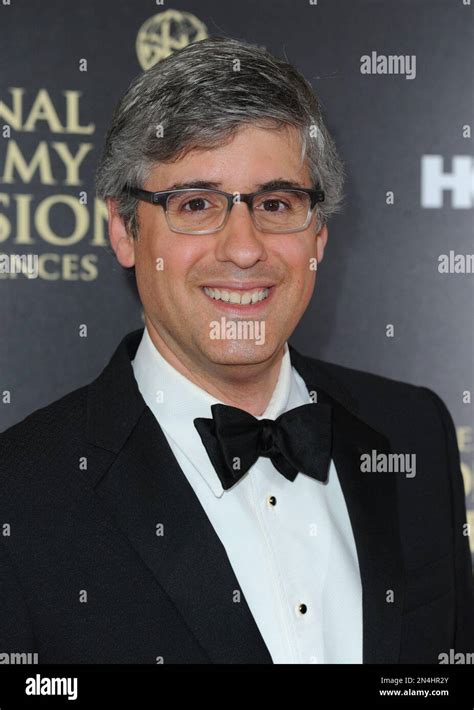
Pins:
x,y
146,492
150,499
371,500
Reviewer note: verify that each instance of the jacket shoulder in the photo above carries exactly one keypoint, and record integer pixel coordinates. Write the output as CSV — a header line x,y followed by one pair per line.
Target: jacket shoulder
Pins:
x,y
360,381
383,400
44,435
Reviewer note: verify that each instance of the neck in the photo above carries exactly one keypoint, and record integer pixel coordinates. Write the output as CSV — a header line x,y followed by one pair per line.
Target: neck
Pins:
x,y
248,387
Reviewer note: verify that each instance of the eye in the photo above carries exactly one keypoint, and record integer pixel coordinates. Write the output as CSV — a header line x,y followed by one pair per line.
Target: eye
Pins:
x,y
274,204
196,204
277,202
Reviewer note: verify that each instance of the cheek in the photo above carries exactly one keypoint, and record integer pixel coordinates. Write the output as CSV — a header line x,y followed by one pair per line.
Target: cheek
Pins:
x,y
299,258
167,267
146,271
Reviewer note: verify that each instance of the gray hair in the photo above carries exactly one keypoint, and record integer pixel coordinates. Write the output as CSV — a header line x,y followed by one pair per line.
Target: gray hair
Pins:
x,y
199,97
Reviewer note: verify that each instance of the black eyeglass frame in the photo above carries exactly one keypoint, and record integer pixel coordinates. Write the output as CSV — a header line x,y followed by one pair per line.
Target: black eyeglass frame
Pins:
x,y
161,198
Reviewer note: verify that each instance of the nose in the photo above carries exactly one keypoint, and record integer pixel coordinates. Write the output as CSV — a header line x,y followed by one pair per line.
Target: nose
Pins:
x,y
240,241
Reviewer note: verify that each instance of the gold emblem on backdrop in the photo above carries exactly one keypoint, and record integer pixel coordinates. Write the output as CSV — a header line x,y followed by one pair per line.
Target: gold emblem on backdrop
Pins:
x,y
165,33
466,446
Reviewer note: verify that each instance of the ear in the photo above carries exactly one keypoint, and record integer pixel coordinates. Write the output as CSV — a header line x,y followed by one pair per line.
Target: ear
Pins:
x,y
122,243
321,240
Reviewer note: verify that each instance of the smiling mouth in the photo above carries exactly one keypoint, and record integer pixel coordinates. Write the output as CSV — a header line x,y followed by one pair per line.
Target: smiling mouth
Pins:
x,y
241,297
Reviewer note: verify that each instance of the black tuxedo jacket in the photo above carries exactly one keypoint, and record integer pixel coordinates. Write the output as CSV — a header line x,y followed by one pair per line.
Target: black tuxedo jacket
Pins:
x,y
85,481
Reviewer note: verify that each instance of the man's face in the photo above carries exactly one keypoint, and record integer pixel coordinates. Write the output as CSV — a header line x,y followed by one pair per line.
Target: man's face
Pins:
x,y
173,269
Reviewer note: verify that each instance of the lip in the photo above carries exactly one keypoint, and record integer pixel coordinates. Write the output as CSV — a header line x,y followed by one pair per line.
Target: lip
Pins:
x,y
250,286
248,309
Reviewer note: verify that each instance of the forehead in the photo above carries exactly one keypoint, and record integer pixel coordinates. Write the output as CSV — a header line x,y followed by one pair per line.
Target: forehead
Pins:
x,y
253,156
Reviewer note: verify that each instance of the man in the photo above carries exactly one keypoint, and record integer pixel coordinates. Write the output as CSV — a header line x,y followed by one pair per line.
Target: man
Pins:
x,y
214,496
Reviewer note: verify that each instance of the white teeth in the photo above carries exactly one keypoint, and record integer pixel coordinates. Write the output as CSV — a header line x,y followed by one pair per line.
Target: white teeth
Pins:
x,y
238,297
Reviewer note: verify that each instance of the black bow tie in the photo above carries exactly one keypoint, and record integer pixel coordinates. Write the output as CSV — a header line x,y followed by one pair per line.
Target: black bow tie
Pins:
x,y
298,440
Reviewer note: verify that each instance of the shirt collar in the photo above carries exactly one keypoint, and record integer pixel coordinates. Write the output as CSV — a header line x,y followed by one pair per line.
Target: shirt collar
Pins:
x,y
176,401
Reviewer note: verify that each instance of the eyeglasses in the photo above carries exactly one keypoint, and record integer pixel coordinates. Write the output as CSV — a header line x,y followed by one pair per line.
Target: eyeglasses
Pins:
x,y
204,211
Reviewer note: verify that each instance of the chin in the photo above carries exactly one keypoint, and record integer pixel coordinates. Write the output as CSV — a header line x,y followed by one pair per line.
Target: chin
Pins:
x,y
239,353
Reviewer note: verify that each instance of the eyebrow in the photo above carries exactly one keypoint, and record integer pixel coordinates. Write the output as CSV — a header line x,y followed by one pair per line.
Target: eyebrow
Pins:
x,y
279,184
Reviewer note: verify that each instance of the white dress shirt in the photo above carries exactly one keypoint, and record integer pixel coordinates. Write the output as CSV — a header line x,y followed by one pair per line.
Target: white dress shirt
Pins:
x,y
290,544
